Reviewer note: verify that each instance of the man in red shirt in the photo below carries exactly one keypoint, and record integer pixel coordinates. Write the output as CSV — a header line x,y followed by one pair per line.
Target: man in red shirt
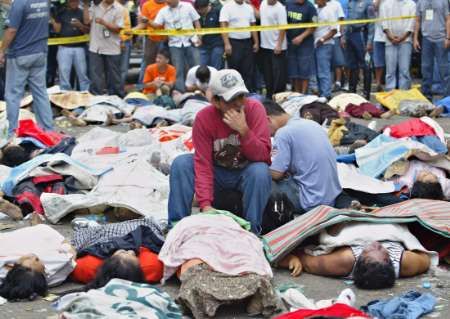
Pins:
x,y
232,152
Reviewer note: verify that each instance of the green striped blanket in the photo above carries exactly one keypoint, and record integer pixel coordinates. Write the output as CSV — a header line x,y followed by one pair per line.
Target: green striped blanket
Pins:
x,y
433,215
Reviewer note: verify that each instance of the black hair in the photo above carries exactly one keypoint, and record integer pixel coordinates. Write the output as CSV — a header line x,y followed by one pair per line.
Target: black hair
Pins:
x,y
203,74
273,108
427,190
23,283
373,275
14,155
164,52
116,267
201,4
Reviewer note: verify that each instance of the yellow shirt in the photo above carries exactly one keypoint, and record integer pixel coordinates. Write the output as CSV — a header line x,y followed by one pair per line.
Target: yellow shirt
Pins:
x,y
126,25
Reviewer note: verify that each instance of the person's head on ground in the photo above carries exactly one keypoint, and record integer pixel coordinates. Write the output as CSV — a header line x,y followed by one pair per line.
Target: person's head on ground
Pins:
x,y
73,4
162,58
202,7
228,90
123,264
25,280
373,268
203,74
276,116
173,3
14,155
427,186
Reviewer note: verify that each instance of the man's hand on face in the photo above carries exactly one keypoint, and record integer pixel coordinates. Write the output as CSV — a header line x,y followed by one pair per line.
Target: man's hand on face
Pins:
x,y
236,121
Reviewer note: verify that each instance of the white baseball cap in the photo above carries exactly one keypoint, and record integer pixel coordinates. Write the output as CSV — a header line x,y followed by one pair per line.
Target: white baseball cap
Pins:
x,y
227,83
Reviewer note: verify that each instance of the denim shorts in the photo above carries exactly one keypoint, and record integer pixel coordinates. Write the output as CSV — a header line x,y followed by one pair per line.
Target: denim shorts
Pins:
x,y
300,62
379,60
338,54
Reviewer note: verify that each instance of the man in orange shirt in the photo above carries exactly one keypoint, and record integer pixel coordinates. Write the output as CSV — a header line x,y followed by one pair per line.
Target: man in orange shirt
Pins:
x,y
154,42
160,75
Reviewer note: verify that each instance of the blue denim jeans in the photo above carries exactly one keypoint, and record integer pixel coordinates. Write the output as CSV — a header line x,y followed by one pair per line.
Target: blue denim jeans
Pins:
x,y
253,181
398,57
355,50
183,59
69,57
324,55
430,52
31,70
212,56
125,61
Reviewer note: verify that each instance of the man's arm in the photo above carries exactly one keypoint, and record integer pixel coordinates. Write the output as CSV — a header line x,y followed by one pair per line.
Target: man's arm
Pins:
x,y
336,264
8,37
414,263
56,25
203,163
86,16
447,39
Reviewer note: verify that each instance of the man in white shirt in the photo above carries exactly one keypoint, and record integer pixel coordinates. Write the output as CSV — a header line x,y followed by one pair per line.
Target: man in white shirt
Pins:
x,y
273,47
198,78
106,21
239,47
398,42
180,15
324,44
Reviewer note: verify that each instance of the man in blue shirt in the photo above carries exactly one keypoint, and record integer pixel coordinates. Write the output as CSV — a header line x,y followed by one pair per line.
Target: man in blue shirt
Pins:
x,y
303,162
356,47
25,45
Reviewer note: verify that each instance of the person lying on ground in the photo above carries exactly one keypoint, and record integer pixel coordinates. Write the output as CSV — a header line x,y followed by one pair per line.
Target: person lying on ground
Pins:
x,y
31,259
127,250
425,181
232,152
303,162
373,255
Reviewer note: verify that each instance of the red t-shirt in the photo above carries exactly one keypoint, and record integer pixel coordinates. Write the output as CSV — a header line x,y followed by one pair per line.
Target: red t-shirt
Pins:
x,y
216,143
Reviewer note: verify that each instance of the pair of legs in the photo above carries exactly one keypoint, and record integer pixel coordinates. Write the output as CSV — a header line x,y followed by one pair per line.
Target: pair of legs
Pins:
x,y
324,55
253,181
300,66
431,51
31,70
338,62
398,59
379,62
105,74
274,71
212,56
69,57
183,59
242,59
125,61
355,56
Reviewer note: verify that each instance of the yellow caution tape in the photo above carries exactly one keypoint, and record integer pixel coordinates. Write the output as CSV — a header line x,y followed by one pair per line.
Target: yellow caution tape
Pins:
x,y
68,40
203,31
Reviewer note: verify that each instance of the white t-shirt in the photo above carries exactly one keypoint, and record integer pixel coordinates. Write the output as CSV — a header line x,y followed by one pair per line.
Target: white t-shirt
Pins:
x,y
43,241
191,79
272,15
181,17
325,14
338,11
237,15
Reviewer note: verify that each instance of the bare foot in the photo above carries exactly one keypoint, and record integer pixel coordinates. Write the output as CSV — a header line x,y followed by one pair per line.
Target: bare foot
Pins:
x,y
437,111
36,219
10,209
387,115
367,116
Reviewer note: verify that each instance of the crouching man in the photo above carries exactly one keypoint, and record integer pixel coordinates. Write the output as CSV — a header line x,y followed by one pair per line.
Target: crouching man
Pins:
x,y
232,152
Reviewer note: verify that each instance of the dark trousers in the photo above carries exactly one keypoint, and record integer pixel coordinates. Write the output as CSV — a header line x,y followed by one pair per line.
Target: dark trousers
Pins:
x,y
242,60
274,67
104,71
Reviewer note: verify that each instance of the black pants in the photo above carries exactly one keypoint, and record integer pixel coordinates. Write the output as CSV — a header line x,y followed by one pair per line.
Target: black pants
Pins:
x,y
105,74
242,59
274,69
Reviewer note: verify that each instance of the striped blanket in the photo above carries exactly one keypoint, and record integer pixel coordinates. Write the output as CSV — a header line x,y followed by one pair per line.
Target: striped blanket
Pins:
x,y
433,215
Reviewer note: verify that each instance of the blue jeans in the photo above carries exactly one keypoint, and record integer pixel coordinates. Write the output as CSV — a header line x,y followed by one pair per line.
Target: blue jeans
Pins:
x,y
355,50
125,61
31,70
253,181
212,56
69,57
430,52
324,55
398,56
183,59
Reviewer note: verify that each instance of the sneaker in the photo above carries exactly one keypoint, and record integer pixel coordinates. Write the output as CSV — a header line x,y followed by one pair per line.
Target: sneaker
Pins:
x,y
346,87
337,87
